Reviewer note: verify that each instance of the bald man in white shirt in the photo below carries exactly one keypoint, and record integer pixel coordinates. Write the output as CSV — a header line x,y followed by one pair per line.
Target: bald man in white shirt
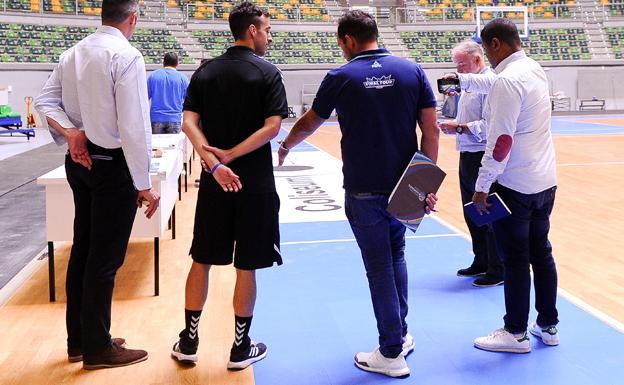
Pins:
x,y
96,101
519,164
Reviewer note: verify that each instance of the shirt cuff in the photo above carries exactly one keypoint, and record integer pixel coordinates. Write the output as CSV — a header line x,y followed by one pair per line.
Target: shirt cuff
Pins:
x,y
474,128
483,185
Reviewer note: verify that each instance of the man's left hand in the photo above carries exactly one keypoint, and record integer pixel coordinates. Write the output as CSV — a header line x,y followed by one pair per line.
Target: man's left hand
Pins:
x,y
224,156
77,143
479,199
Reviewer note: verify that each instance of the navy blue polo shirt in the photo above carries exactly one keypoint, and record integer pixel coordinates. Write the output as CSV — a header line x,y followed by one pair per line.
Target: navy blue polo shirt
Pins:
x,y
377,97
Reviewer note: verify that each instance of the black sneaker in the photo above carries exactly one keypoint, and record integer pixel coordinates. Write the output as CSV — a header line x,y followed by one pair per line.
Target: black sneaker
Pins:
x,y
185,349
487,281
241,360
470,272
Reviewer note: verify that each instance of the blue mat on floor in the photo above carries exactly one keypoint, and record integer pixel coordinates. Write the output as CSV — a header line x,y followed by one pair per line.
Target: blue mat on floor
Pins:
x,y
314,313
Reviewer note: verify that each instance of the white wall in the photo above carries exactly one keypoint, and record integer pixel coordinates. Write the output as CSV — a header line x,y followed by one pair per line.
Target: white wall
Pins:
x,y
28,82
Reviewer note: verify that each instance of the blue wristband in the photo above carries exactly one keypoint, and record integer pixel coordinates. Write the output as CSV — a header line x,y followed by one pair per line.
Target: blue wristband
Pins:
x,y
214,168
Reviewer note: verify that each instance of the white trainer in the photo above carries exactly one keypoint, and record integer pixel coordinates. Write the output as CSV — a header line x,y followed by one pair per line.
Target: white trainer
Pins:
x,y
376,362
408,345
549,335
502,341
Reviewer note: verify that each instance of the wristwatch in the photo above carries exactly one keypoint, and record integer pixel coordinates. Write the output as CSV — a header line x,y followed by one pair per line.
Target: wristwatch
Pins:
x,y
459,129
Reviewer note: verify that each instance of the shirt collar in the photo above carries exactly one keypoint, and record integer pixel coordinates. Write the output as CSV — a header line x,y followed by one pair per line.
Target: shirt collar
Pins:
x,y
485,69
508,60
240,48
371,52
107,29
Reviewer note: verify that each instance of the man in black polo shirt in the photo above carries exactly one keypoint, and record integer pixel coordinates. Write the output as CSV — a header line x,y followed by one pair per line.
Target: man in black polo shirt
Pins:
x,y
379,99
240,100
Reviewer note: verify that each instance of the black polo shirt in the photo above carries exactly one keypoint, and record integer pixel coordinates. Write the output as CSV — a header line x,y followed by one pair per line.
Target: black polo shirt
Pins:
x,y
233,94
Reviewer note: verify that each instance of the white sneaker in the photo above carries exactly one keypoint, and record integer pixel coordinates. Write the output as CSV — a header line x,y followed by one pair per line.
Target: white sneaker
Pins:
x,y
502,341
549,335
408,345
376,362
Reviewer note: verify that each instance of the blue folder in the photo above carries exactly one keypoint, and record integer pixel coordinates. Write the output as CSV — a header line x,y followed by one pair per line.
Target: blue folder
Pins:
x,y
498,210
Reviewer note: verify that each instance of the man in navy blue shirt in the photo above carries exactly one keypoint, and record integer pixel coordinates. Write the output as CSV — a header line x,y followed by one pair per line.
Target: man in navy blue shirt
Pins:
x,y
379,100
166,89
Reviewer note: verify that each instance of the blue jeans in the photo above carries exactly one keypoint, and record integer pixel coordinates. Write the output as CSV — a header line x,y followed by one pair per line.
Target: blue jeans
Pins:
x,y
522,239
166,127
381,239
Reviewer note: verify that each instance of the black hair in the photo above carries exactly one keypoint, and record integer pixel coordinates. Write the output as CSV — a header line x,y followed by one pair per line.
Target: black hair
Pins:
x,y
504,30
116,11
359,25
170,59
242,16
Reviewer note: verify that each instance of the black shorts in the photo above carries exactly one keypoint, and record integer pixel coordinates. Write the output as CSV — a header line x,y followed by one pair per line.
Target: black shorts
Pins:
x,y
240,227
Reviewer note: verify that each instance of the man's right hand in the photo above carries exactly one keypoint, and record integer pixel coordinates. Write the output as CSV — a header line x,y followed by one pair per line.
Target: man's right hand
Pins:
x,y
448,127
77,143
224,175
151,199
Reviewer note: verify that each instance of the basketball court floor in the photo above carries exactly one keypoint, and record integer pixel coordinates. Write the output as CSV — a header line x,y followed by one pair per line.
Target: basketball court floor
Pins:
x,y
314,312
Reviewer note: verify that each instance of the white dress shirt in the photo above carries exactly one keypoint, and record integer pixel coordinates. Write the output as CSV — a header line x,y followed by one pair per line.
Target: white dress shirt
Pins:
x,y
470,112
100,86
518,105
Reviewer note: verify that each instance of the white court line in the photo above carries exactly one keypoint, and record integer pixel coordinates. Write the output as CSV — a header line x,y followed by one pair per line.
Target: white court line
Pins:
x,y
353,239
604,317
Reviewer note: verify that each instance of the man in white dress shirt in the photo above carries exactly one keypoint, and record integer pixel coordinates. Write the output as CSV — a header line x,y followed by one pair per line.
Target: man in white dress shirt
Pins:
x,y
96,101
469,127
519,164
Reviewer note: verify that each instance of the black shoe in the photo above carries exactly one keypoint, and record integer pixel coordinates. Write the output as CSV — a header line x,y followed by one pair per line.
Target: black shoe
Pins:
x,y
185,349
241,360
487,281
470,272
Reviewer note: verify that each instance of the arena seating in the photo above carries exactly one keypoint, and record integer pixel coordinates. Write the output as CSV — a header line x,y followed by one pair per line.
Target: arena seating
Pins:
x,y
616,39
464,9
283,10
542,45
86,7
44,43
287,48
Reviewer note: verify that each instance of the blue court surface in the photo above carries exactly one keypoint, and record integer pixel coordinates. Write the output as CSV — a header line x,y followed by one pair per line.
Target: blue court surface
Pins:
x,y
314,313
588,125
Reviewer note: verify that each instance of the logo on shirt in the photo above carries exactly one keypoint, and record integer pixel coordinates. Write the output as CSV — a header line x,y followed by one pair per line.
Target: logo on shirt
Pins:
x,y
376,64
379,83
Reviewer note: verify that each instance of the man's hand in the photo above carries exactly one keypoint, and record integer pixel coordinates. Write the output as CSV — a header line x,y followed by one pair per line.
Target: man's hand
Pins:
x,y
451,75
226,178
480,201
77,143
282,153
448,127
431,201
224,156
151,200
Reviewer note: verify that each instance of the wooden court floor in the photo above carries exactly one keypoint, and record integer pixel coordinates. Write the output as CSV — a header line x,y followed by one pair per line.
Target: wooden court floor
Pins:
x,y
587,230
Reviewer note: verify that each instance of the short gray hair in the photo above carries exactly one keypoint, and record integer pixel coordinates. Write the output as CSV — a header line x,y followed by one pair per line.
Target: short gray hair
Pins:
x,y
468,47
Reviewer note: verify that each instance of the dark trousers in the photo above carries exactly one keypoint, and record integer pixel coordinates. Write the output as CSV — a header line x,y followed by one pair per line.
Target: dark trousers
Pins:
x,y
523,241
486,257
105,207
381,239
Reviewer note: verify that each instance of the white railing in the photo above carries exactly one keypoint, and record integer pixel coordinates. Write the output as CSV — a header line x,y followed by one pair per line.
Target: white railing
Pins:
x,y
433,14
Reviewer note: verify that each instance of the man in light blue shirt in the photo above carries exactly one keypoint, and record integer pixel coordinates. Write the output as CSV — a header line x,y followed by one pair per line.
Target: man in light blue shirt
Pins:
x,y
166,88
470,130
